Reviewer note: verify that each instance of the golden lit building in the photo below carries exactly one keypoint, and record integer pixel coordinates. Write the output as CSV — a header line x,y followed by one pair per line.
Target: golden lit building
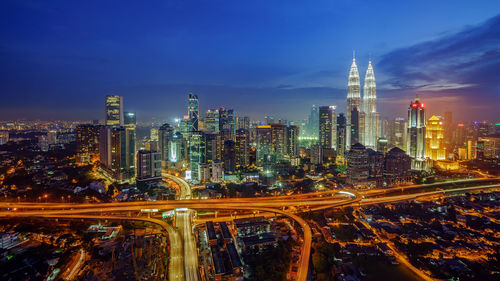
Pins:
x,y
434,139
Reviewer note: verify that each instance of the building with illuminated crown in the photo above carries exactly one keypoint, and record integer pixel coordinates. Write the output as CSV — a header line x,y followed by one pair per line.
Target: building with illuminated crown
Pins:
x,y
415,144
434,139
353,106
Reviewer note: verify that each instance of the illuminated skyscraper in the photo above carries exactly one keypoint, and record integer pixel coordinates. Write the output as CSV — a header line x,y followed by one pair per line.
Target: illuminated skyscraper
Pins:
x,y
369,108
130,124
415,145
193,111
292,141
341,135
353,104
434,139
197,153
148,167
243,122
114,110
87,143
271,143
242,147
212,121
328,126
165,134
226,120
115,153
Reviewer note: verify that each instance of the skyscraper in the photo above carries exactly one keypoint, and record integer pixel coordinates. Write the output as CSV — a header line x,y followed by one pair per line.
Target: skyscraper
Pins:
x,y
197,150
353,105
242,147
87,143
130,124
313,122
415,145
114,153
193,111
226,119
165,133
271,143
341,135
434,139
369,108
114,110
212,121
292,140
243,122
148,167
325,127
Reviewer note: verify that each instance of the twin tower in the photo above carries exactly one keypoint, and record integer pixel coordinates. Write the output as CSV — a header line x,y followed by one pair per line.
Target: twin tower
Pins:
x,y
362,116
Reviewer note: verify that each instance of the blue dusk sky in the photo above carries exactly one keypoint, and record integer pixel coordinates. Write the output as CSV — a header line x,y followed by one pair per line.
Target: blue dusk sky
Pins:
x,y
58,59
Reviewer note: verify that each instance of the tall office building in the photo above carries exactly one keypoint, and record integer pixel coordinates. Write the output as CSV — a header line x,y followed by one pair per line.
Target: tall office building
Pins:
x,y
313,122
115,153
461,137
177,150
193,112
87,143
415,144
226,119
325,127
229,157
212,121
197,153
165,134
114,110
242,147
243,122
214,147
353,105
369,108
130,124
341,135
328,126
434,139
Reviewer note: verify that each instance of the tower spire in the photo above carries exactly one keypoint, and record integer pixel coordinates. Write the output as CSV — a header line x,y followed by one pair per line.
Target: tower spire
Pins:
x,y
353,55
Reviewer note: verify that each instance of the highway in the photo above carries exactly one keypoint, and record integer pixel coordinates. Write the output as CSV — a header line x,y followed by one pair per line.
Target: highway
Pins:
x,y
187,268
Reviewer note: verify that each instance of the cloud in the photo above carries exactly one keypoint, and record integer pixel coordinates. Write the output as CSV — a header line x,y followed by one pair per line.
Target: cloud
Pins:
x,y
464,64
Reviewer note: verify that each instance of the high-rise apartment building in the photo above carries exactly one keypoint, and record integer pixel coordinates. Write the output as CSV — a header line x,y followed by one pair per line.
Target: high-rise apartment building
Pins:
x,y
229,157
434,139
415,145
148,167
271,143
87,143
114,110
292,141
115,153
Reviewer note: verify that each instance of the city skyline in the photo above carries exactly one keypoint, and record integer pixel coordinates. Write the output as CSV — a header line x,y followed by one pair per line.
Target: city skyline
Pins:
x,y
70,72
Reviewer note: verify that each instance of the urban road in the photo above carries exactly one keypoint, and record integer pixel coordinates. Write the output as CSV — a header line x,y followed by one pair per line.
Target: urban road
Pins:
x,y
183,263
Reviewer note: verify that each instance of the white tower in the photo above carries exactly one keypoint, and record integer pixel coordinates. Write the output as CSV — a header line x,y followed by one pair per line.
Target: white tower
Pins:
x,y
353,104
369,109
